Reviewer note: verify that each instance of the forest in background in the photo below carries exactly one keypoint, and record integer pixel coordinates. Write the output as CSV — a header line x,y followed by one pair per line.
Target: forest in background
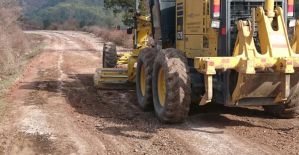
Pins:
x,y
67,14
76,14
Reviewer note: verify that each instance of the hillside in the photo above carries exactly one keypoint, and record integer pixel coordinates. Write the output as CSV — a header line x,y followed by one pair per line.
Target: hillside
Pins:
x,y
67,14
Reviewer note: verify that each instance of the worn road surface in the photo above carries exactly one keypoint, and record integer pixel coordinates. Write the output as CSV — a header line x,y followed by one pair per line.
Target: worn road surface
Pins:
x,y
54,109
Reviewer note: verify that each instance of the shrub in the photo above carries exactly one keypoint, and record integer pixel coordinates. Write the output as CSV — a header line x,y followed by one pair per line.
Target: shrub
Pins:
x,y
119,37
12,39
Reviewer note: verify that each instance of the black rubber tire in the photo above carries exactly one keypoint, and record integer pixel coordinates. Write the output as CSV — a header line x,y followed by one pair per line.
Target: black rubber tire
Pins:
x,y
146,58
288,110
178,86
109,55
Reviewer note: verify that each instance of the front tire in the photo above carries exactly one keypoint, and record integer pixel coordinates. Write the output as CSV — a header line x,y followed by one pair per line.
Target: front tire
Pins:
x,y
109,55
144,78
171,86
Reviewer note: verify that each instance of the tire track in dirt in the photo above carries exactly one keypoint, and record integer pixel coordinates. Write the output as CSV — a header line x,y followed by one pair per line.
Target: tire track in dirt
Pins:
x,y
207,141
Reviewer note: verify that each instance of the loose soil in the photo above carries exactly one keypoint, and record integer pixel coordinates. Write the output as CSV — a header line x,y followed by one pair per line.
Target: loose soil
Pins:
x,y
54,109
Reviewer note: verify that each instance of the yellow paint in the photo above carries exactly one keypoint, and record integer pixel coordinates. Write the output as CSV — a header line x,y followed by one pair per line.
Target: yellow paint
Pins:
x,y
295,42
144,29
194,17
142,80
199,39
180,43
161,87
123,58
273,41
132,64
269,8
276,53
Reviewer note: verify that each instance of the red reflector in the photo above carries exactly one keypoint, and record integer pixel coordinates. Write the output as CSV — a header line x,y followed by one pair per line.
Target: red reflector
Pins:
x,y
289,63
264,60
211,63
216,9
290,8
225,61
223,31
216,13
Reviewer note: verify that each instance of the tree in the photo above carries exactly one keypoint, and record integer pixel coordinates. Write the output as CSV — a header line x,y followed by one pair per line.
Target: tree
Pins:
x,y
119,5
123,6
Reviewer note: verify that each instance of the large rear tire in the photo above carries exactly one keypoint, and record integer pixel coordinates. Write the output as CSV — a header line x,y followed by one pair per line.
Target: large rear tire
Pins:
x,y
171,86
109,55
287,110
144,78
291,108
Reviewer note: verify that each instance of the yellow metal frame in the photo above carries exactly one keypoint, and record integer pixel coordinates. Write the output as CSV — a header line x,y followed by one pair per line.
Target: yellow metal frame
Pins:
x,y
195,29
276,53
144,31
295,43
123,58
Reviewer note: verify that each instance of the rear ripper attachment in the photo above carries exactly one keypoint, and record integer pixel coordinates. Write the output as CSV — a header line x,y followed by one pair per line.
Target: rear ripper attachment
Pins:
x,y
267,75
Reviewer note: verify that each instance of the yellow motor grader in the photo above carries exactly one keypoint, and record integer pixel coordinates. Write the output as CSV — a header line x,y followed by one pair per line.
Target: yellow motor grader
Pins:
x,y
231,52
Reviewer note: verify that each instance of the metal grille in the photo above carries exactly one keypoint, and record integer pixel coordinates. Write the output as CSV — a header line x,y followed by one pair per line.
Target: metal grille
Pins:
x,y
241,10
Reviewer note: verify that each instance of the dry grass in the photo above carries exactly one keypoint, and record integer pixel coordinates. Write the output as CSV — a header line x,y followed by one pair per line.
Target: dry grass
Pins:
x,y
13,42
119,37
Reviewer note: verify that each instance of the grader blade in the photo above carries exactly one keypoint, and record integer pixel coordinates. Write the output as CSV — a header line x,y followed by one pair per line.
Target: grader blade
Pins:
x,y
111,79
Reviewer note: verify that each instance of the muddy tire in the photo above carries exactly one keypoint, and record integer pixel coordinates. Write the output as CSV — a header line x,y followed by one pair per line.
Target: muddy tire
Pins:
x,y
109,55
144,78
172,103
288,110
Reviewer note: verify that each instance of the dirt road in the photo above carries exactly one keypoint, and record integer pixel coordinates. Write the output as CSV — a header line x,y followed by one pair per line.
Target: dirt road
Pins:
x,y
54,109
